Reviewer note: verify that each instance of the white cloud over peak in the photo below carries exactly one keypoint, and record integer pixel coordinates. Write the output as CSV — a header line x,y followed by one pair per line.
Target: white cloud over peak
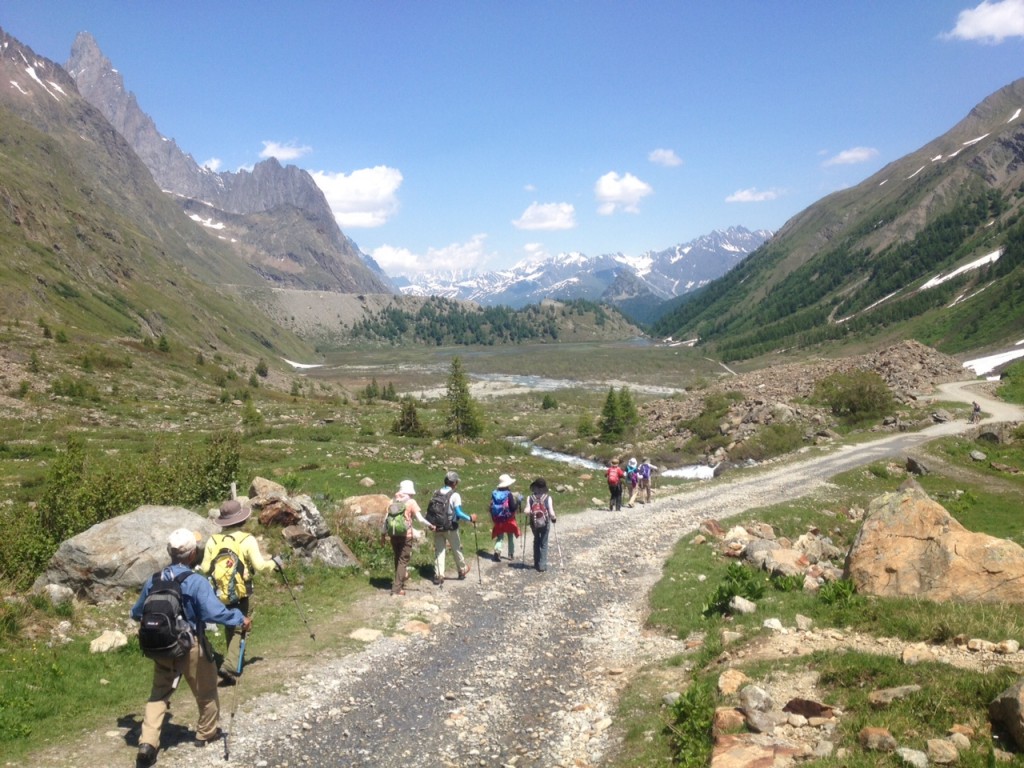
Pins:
x,y
620,193
456,257
852,156
547,216
213,164
665,157
754,195
364,198
989,22
283,152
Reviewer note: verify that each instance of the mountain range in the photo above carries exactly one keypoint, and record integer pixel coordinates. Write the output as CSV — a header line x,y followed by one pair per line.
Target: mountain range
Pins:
x,y
929,247
110,226
636,285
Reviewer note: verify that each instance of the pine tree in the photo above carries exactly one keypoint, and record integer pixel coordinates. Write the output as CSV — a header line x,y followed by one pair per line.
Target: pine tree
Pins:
x,y
408,422
627,410
463,418
610,422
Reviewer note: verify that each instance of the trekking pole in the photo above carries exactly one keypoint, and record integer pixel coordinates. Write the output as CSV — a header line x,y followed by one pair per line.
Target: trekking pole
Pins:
x,y
225,732
554,530
298,607
476,544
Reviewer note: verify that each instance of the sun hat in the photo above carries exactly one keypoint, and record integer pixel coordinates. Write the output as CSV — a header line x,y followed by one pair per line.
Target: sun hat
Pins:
x,y
180,543
407,488
232,513
632,462
505,481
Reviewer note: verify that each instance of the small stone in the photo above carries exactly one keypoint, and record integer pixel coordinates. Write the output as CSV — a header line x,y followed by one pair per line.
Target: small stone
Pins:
x,y
942,751
876,740
912,757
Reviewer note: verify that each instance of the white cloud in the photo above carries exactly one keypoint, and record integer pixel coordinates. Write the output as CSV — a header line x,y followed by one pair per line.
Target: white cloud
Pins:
x,y
989,22
852,155
666,157
283,152
456,257
547,216
753,195
624,193
213,164
365,198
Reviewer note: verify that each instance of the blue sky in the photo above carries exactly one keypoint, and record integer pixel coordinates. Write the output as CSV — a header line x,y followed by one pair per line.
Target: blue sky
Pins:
x,y
473,134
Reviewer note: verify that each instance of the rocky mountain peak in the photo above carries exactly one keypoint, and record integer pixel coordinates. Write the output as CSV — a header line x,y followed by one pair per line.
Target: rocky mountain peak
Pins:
x,y
316,253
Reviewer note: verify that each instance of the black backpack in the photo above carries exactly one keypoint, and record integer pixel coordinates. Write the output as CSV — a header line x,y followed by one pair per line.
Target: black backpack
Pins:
x,y
440,513
164,632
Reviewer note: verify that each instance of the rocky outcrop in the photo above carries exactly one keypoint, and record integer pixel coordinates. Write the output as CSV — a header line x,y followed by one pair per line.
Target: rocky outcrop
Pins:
x,y
118,555
910,546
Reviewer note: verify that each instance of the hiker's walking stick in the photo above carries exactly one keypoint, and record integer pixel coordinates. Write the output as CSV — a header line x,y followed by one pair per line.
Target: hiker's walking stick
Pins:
x,y
558,546
298,607
241,653
476,544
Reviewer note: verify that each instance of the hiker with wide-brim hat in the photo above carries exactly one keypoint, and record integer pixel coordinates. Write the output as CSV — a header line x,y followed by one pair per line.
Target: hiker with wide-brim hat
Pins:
x,y
504,507
199,605
403,536
233,585
541,512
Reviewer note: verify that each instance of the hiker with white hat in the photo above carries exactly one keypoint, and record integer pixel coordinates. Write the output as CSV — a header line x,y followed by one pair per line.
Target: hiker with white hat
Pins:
x,y
398,527
199,605
504,507
230,559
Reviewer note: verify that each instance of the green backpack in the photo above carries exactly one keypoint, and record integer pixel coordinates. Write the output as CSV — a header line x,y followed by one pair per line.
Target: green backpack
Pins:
x,y
396,524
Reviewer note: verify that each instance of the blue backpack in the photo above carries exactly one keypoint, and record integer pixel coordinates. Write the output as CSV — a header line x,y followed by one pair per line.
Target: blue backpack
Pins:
x,y
501,508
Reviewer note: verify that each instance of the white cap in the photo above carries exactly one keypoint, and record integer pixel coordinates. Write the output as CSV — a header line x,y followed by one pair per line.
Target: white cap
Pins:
x,y
407,488
181,542
505,481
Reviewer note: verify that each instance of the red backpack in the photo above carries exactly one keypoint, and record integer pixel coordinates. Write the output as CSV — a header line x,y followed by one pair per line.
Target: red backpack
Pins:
x,y
614,474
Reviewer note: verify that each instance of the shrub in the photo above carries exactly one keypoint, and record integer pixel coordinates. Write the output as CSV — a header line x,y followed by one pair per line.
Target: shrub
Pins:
x,y
548,402
408,422
738,580
692,717
855,397
771,440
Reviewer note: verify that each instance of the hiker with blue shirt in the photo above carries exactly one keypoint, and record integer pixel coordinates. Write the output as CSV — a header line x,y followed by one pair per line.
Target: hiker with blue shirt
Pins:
x,y
504,507
446,527
200,605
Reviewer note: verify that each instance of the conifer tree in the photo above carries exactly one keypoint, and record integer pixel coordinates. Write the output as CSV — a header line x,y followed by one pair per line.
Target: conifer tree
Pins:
x,y
408,422
463,417
610,422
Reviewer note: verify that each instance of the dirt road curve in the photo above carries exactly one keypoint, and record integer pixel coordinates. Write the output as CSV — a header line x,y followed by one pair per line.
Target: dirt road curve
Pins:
x,y
518,667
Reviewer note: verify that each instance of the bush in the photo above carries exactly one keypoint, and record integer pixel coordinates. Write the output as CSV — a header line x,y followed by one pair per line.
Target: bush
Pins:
x,y
548,402
855,397
692,717
771,440
81,491
738,581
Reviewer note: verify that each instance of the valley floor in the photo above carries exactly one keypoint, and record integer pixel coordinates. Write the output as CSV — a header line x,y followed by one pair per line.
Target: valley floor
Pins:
x,y
509,666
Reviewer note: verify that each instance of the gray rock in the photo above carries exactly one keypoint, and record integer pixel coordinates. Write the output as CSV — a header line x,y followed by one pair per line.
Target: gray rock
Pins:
x,y
118,555
912,757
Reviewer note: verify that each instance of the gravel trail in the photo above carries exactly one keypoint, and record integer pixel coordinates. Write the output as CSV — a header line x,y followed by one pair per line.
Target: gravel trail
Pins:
x,y
518,668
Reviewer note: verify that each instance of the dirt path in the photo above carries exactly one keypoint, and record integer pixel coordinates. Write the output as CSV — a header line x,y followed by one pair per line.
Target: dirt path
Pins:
x,y
511,666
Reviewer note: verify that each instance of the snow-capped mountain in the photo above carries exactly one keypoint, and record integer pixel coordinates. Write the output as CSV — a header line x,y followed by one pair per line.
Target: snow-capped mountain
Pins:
x,y
651,278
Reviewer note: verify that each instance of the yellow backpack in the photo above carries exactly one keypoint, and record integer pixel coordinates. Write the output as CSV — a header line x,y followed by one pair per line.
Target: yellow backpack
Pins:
x,y
230,576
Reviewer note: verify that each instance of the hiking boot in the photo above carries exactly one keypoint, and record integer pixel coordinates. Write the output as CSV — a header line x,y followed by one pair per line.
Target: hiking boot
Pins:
x,y
439,581
497,557
226,678
203,742
463,572
146,756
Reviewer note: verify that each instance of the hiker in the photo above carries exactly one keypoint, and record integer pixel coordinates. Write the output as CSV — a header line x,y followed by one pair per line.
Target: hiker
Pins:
x,y
633,477
541,513
398,526
444,512
200,605
614,475
644,474
230,559
504,508
975,412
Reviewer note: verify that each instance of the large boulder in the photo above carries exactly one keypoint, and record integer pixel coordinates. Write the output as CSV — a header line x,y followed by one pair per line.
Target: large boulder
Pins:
x,y
910,546
118,555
